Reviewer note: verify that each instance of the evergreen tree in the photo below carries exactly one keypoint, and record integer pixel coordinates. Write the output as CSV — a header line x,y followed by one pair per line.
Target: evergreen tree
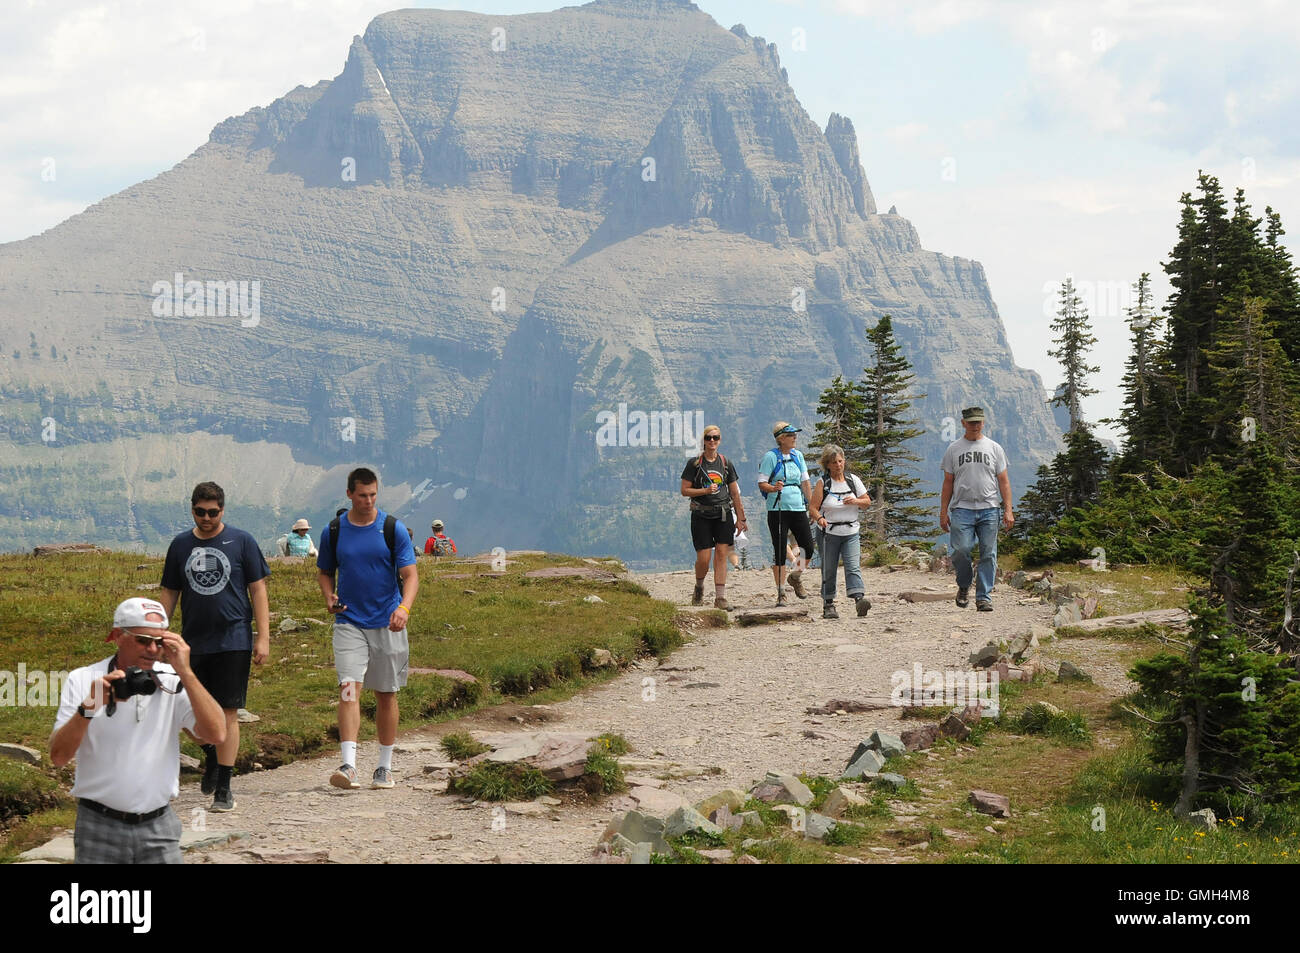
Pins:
x,y
1145,416
886,399
1230,717
842,422
1074,340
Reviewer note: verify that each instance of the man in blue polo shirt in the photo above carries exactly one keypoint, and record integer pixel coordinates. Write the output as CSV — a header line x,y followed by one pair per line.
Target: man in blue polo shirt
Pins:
x,y
371,603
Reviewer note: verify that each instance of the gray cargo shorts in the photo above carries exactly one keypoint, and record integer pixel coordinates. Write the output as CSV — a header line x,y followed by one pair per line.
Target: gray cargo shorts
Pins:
x,y
375,657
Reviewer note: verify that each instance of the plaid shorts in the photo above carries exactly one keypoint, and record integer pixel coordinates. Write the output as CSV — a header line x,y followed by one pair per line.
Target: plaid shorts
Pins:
x,y
102,840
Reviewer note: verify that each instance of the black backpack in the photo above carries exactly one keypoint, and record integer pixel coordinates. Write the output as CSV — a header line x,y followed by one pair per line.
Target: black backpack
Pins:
x,y
390,538
849,476
711,511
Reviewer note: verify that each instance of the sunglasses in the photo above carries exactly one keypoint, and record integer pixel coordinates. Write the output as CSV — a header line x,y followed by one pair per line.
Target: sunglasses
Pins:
x,y
147,640
210,514
712,438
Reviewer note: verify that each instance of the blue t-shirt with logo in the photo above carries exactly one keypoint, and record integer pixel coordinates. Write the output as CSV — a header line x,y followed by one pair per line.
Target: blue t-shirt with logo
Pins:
x,y
366,580
212,576
793,469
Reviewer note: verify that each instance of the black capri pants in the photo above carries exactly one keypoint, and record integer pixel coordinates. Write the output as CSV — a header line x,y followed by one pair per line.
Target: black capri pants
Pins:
x,y
780,522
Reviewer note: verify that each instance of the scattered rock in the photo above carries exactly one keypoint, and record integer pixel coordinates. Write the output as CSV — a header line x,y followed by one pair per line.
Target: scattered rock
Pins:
x,y
767,616
896,781
730,799
1089,608
593,598
748,859
638,828
721,855
841,799
887,744
602,658
559,755
1017,580
190,764
920,595
1203,819
817,825
288,624
921,737
1068,614
844,706
985,656
750,819
782,788
986,802
20,753
145,587
290,857
1047,708
869,762
1069,672
954,727
684,820
656,801
57,549
1023,646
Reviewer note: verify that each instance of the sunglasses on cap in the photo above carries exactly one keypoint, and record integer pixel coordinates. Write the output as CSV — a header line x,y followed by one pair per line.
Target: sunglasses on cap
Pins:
x,y
210,514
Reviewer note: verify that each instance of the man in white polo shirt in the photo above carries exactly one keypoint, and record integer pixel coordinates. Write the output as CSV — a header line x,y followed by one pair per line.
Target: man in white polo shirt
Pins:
x,y
128,750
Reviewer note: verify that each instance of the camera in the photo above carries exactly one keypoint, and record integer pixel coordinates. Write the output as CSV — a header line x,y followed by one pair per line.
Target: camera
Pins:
x,y
136,682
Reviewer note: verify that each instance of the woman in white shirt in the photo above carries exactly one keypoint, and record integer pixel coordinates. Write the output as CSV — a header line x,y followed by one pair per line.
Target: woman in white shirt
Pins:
x,y
835,510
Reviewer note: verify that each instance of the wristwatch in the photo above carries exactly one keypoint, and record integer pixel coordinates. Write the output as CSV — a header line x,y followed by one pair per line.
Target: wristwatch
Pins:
x,y
81,710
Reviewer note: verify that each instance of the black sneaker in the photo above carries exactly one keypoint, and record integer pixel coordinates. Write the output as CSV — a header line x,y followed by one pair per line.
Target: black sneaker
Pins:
x,y
209,782
828,611
864,605
224,801
963,597
984,606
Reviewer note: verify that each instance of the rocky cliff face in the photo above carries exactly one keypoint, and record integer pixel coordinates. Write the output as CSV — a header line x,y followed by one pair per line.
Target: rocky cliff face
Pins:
x,y
484,234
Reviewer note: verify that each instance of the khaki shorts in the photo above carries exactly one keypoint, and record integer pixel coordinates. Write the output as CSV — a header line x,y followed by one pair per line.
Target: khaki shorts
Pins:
x,y
377,658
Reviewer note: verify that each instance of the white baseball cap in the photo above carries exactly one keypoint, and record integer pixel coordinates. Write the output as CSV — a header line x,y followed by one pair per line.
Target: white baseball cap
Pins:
x,y
131,614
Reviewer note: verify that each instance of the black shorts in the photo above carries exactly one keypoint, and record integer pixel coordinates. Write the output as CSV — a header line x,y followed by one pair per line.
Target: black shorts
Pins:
x,y
224,675
780,523
705,533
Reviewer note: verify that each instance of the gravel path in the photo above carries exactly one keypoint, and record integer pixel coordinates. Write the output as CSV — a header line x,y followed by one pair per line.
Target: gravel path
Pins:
x,y
732,700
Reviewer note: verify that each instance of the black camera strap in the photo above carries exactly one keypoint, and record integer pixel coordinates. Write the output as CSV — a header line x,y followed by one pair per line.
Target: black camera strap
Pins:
x,y
110,706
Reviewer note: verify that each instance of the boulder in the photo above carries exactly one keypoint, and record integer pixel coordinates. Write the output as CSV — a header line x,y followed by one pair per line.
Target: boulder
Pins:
x,y
1017,580
986,656
638,828
559,755
20,752
922,737
954,727
778,788
1047,708
986,802
1203,819
602,658
1068,614
1069,672
896,781
1023,646
887,744
839,800
684,820
730,798
656,801
817,825
750,819
868,763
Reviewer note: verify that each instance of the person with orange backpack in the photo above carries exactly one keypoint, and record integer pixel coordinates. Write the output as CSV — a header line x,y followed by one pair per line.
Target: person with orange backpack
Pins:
x,y
712,485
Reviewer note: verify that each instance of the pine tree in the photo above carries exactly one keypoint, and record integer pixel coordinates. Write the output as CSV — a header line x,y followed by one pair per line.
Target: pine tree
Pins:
x,y
842,422
1074,340
1146,415
886,398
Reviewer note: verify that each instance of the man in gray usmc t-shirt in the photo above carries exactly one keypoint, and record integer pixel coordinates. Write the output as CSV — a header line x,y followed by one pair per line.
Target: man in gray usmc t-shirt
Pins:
x,y
975,489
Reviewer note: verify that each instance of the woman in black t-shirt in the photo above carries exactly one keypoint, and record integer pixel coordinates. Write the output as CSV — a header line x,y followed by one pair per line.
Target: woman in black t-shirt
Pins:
x,y
711,484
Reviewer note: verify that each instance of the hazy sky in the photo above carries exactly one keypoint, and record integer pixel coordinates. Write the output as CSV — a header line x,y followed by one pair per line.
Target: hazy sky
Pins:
x,y
1042,138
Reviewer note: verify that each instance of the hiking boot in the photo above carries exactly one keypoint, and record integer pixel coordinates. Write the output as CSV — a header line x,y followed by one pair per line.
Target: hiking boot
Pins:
x,y
721,603
224,801
984,606
382,778
209,782
780,598
697,597
864,604
963,597
796,583
345,777
828,611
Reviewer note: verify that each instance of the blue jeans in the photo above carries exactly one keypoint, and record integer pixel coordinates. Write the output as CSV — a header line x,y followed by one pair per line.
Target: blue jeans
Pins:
x,y
833,549
965,525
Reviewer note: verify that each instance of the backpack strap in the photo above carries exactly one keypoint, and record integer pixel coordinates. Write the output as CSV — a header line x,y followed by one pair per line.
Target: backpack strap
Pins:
x,y
334,541
390,539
